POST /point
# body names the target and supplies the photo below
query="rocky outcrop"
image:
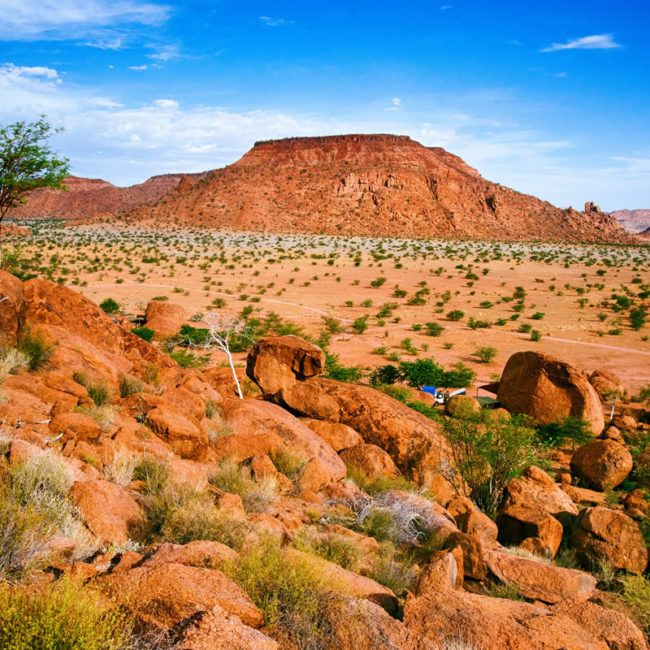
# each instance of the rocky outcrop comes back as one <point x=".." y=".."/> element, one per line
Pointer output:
<point x="604" y="464"/>
<point x="11" y="307"/>
<point x="604" y="536"/>
<point x="375" y="185"/>
<point x="606" y="383"/>
<point x="373" y="461"/>
<point x="549" y="390"/>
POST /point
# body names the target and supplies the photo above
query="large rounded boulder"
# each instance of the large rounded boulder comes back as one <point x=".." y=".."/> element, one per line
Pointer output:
<point x="549" y="390"/>
<point x="604" y="464"/>
<point x="165" y="318"/>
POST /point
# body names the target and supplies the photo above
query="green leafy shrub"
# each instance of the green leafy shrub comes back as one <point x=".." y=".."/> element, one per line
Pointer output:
<point x="636" y="596"/>
<point x="187" y="359"/>
<point x="109" y="306"/>
<point x="455" y="315"/>
<point x="490" y="452"/>
<point x="332" y="547"/>
<point x="334" y="369"/>
<point x="433" y="329"/>
<point x="145" y="333"/>
<point x="570" y="430"/>
<point x="485" y="354"/>
<point x="61" y="616"/>
<point x="360" y="324"/>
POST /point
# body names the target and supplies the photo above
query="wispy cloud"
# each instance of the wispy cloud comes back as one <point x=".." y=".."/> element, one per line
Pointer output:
<point x="395" y="104"/>
<point x="268" y="21"/>
<point x="73" y="19"/>
<point x="107" y="43"/>
<point x="593" y="42"/>
<point x="138" y="68"/>
<point x="164" y="52"/>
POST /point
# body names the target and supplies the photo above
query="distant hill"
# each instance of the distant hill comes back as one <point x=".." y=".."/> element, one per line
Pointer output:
<point x="377" y="185"/>
<point x="635" y="221"/>
<point x="92" y="198"/>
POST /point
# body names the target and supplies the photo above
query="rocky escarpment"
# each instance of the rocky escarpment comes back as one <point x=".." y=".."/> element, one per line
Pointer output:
<point x="88" y="198"/>
<point x="377" y="185"/>
<point x="634" y="221"/>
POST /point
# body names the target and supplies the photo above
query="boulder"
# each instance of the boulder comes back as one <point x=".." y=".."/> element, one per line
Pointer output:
<point x="218" y="629"/>
<point x="338" y="436"/>
<point x="604" y="464"/>
<point x="11" y="307"/>
<point x="373" y="461"/>
<point x="276" y="362"/>
<point x="164" y="595"/>
<point x="416" y="443"/>
<point x="549" y="390"/>
<point x="612" y="628"/>
<point x="76" y="425"/>
<point x="472" y="521"/>
<point x="602" y="535"/>
<point x="185" y="436"/>
<point x="110" y="512"/>
<point x="538" y="580"/>
<point x="199" y="553"/>
<point x="606" y="383"/>
<point x="443" y="572"/>
<point x="457" y="618"/>
<point x="534" y="508"/>
<point x="262" y="427"/>
<point x="363" y="625"/>
<point x="584" y="496"/>
<point x="462" y="406"/>
<point x="165" y="318"/>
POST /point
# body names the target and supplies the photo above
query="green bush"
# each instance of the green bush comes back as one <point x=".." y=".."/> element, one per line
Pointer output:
<point x="187" y="359"/>
<point x="455" y="315"/>
<point x="570" y="430"/>
<point x="289" y="462"/>
<point x="385" y="375"/>
<point x="360" y="324"/>
<point x="61" y="616"/>
<point x="490" y="452"/>
<point x="433" y="329"/>
<point x="485" y="354"/>
<point x="189" y="335"/>
<point x="335" y="370"/>
<point x="145" y="333"/>
<point x="636" y="596"/>
<point x="37" y="350"/>
<point x="109" y="306"/>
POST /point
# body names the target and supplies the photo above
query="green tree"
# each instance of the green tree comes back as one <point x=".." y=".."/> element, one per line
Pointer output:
<point x="27" y="162"/>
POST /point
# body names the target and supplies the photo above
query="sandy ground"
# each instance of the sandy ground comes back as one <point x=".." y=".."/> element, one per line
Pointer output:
<point x="305" y="279"/>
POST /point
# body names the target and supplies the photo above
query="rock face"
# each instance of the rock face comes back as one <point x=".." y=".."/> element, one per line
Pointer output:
<point x="604" y="464"/>
<point x="90" y="197"/>
<point x="603" y="535"/>
<point x="606" y="383"/>
<point x="11" y="304"/>
<point x="549" y="390"/>
<point x="377" y="185"/>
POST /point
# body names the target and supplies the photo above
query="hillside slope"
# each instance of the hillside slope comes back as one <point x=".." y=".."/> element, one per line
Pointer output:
<point x="90" y="197"/>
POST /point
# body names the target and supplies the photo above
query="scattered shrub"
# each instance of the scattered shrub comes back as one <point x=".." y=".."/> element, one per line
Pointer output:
<point x="236" y="479"/>
<point x="130" y="386"/>
<point x="332" y="547"/>
<point x="455" y="315"/>
<point x="289" y="462"/>
<point x="570" y="430"/>
<point x="11" y="361"/>
<point x="485" y="354"/>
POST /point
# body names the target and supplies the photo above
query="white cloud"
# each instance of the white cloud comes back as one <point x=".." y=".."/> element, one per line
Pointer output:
<point x="108" y="43"/>
<point x="164" y="52"/>
<point x="268" y="21"/>
<point x="594" y="42"/>
<point x="33" y="71"/>
<point x="139" y="68"/>
<point x="73" y="19"/>
<point x="166" y="103"/>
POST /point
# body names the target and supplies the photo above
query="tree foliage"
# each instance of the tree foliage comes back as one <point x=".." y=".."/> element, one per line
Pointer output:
<point x="27" y="162"/>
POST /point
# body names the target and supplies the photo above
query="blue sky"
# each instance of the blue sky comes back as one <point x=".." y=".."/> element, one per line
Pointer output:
<point x="550" y="98"/>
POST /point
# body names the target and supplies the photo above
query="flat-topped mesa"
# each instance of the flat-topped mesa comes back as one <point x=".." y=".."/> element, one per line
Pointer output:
<point x="377" y="185"/>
